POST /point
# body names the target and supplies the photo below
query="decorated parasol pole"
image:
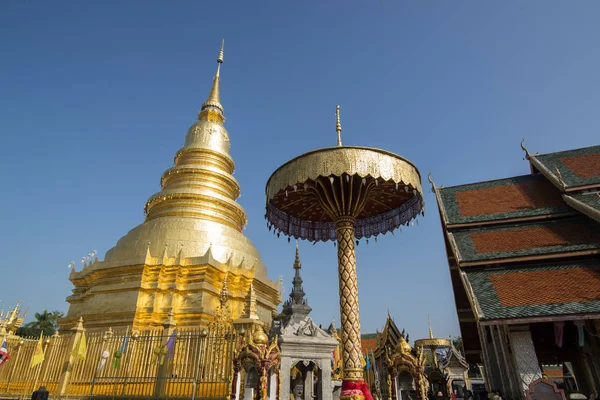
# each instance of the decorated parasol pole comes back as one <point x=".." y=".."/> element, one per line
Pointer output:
<point x="343" y="194"/>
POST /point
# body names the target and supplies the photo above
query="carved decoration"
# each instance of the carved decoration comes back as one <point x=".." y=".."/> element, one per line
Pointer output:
<point x="255" y="349"/>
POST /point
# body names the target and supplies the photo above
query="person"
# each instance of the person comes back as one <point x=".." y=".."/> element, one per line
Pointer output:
<point x="469" y="395"/>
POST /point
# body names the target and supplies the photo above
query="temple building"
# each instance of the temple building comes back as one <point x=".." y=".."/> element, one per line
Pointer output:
<point x="191" y="239"/>
<point x="524" y="258"/>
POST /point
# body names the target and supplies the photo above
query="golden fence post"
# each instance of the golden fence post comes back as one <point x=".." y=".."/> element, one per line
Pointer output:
<point x="12" y="371"/>
<point x="68" y="365"/>
<point x="161" y="375"/>
<point x="45" y="362"/>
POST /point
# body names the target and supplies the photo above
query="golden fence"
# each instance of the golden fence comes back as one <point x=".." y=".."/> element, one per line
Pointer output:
<point x="201" y="365"/>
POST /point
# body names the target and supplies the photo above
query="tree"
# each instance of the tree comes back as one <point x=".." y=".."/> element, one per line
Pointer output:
<point x="45" y="321"/>
<point x="457" y="342"/>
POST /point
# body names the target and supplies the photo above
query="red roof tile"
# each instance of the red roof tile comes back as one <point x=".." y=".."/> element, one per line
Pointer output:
<point x="584" y="166"/>
<point x="547" y="287"/>
<point x="367" y="345"/>
<point x="532" y="237"/>
<point x="508" y="198"/>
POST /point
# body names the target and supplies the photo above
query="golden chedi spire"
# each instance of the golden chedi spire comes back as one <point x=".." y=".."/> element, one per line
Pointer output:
<point x="196" y="217"/>
<point x="197" y="203"/>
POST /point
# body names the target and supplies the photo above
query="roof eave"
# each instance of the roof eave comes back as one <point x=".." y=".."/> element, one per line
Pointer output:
<point x="532" y="320"/>
<point x="581" y="206"/>
<point x="528" y="258"/>
<point x="511" y="220"/>
<point x="547" y="173"/>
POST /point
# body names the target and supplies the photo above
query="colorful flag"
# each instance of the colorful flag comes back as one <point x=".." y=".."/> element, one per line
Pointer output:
<point x="80" y="350"/>
<point x="119" y="353"/>
<point x="38" y="353"/>
<point x="3" y="352"/>
<point x="171" y="346"/>
<point x="366" y="363"/>
<point x="125" y="343"/>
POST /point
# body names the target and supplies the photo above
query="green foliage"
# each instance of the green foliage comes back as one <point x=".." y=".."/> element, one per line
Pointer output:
<point x="458" y="344"/>
<point x="45" y="321"/>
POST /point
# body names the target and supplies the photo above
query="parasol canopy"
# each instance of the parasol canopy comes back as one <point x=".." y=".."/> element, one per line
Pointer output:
<point x="380" y="189"/>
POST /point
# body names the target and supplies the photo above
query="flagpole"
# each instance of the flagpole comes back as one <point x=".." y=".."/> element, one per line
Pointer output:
<point x="128" y="359"/>
<point x="120" y="350"/>
<point x="12" y="371"/>
<point x="37" y="375"/>
<point x="104" y="338"/>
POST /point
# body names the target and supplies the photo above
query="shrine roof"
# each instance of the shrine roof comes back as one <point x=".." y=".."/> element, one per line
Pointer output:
<point x="517" y="197"/>
<point x="368" y="342"/>
<point x="566" y="235"/>
<point x="587" y="203"/>
<point x="576" y="168"/>
<point x="544" y="290"/>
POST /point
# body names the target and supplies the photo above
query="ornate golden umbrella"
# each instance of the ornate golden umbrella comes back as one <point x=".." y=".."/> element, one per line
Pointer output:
<point x="343" y="194"/>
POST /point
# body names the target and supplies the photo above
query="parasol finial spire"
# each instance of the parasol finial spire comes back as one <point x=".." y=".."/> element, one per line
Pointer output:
<point x="338" y="125"/>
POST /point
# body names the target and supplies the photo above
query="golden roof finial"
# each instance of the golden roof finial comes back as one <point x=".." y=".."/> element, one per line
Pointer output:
<point x="430" y="331"/>
<point x="338" y="125"/>
<point x="214" y="99"/>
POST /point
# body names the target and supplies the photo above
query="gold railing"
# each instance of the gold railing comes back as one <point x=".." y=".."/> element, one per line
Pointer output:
<point x="201" y="365"/>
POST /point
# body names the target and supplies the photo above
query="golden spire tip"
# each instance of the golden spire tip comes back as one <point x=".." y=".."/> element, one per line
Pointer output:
<point x="220" y="57"/>
<point x="214" y="99"/>
<point x="430" y="331"/>
<point x="338" y="125"/>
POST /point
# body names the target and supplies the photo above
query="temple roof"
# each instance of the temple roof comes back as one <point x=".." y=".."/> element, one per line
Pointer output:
<point x="566" y="235"/>
<point x="543" y="290"/>
<point x="517" y="197"/>
<point x="570" y="169"/>
<point x="532" y="225"/>
<point x="368" y="342"/>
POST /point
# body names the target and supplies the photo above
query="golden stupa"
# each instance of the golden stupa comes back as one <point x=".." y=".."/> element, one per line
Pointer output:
<point x="177" y="259"/>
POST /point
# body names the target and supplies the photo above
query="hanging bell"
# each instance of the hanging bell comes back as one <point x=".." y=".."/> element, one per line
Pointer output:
<point x="286" y="193"/>
<point x="376" y="182"/>
<point x="406" y="189"/>
<point x="334" y="244"/>
<point x="357" y="242"/>
<point x="375" y="239"/>
<point x="295" y="187"/>
<point x="289" y="239"/>
<point x="331" y="179"/>
<point x="277" y="234"/>
<point x="347" y="178"/>
<point x="367" y="241"/>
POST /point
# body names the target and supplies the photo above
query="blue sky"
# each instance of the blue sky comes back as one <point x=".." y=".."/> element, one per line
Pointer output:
<point x="96" y="98"/>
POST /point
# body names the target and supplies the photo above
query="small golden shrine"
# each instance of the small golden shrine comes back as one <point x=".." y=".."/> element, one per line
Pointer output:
<point x="191" y="238"/>
<point x="12" y="320"/>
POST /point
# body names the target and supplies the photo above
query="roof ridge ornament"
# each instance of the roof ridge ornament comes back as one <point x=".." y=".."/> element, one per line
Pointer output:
<point x="560" y="178"/>
<point x="432" y="182"/>
<point x="527" y="154"/>
<point x="338" y="125"/>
